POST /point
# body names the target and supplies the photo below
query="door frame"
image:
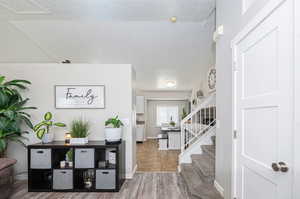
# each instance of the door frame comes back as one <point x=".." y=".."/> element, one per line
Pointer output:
<point x="256" y="20"/>
<point x="296" y="182"/>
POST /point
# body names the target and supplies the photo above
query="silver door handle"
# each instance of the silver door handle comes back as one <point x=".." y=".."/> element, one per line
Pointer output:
<point x="281" y="166"/>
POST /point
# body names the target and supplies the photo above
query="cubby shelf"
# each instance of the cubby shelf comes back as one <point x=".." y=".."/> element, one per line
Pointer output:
<point x="45" y="173"/>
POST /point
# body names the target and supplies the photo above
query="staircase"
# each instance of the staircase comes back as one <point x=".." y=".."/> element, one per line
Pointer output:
<point x="197" y="158"/>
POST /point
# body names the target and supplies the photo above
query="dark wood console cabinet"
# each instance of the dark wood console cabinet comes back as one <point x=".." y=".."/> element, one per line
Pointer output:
<point x="45" y="173"/>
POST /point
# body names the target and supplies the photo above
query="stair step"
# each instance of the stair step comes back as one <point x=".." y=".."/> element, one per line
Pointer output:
<point x="196" y="187"/>
<point x="205" y="167"/>
<point x="213" y="139"/>
<point x="210" y="150"/>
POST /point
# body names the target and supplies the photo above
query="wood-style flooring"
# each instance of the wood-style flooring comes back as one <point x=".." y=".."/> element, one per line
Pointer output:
<point x="149" y="158"/>
<point x="143" y="186"/>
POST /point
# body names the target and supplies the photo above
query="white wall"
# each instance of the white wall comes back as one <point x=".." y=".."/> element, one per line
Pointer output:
<point x="230" y="15"/>
<point x="119" y="84"/>
<point x="297" y="102"/>
<point x="211" y="48"/>
<point x="152" y="130"/>
<point x="180" y="95"/>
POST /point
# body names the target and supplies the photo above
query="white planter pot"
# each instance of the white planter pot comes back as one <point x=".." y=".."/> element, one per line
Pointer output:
<point x="113" y="134"/>
<point x="79" y="140"/>
<point x="47" y="138"/>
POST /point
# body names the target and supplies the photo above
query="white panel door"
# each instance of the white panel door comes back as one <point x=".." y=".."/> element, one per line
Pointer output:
<point x="264" y="107"/>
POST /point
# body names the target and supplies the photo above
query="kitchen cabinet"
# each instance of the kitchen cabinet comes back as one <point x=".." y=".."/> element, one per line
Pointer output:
<point x="140" y="104"/>
<point x="174" y="140"/>
<point x="140" y="133"/>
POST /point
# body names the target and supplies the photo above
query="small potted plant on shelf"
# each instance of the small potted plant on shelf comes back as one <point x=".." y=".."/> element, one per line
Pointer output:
<point x="69" y="158"/>
<point x="113" y="129"/>
<point x="42" y="129"/>
<point x="79" y="132"/>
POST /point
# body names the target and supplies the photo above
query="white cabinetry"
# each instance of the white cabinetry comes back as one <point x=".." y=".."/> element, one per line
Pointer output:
<point x="140" y="104"/>
<point x="174" y="140"/>
<point x="140" y="133"/>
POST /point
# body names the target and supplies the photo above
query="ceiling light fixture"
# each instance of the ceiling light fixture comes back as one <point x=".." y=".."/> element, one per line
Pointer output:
<point x="173" y="19"/>
<point x="67" y="61"/>
<point x="170" y="84"/>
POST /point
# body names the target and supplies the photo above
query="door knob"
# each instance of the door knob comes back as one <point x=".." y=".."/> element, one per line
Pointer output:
<point x="275" y="167"/>
<point x="281" y="166"/>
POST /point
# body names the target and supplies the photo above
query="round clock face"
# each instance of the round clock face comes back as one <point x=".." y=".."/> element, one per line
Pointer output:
<point x="212" y="78"/>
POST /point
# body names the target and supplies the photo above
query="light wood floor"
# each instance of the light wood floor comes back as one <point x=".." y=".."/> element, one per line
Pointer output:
<point x="143" y="186"/>
<point x="149" y="158"/>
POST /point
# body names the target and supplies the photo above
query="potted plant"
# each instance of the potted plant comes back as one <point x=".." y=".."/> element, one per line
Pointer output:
<point x="184" y="114"/>
<point x="113" y="129"/>
<point x="79" y="132"/>
<point x="172" y="123"/>
<point x="12" y="115"/>
<point x="42" y="129"/>
<point x="69" y="158"/>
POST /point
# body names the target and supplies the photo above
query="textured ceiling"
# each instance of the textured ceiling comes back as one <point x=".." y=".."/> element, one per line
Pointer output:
<point x="123" y="10"/>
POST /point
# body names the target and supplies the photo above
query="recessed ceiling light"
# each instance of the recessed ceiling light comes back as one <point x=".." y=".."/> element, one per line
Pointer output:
<point x="170" y="84"/>
<point x="173" y="19"/>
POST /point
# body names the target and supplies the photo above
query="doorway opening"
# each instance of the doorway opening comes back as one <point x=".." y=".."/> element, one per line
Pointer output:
<point x="159" y="149"/>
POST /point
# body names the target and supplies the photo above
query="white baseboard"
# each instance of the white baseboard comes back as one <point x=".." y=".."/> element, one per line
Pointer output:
<point x="21" y="176"/>
<point x="130" y="175"/>
<point x="219" y="188"/>
<point x="152" y="138"/>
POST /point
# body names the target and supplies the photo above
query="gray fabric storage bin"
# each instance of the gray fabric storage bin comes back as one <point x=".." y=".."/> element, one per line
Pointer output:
<point x="84" y="158"/>
<point x="62" y="179"/>
<point x="40" y="158"/>
<point x="105" y="179"/>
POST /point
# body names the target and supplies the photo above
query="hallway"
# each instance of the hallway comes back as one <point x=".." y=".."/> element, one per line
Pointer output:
<point x="150" y="159"/>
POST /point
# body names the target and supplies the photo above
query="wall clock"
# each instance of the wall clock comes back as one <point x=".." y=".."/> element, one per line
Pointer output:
<point x="212" y="79"/>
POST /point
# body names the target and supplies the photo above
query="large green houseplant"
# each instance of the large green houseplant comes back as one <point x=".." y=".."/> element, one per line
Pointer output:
<point x="12" y="112"/>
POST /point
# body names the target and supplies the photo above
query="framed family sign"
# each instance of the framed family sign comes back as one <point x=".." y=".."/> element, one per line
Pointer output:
<point x="79" y="96"/>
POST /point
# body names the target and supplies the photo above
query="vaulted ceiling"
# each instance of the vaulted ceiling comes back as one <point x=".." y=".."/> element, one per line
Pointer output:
<point x="137" y="32"/>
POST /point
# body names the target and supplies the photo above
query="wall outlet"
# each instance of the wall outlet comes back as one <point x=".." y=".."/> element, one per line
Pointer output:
<point x="125" y="121"/>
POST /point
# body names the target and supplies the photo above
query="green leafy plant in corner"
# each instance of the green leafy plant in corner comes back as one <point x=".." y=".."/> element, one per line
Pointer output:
<point x="184" y="113"/>
<point x="114" y="122"/>
<point x="45" y="125"/>
<point x="12" y="112"/>
<point x="80" y="128"/>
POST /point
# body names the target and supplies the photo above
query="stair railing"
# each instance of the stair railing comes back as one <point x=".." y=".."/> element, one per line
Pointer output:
<point x="198" y="122"/>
